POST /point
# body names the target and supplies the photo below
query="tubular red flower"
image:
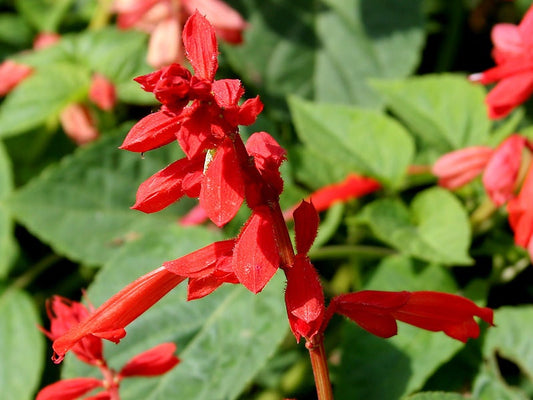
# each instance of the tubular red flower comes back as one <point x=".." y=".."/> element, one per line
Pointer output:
<point x="521" y="213"/>
<point x="377" y="312"/>
<point x="78" y="124"/>
<point x="110" y="319"/>
<point x="153" y="131"/>
<point x="459" y="167"/>
<point x="68" y="389"/>
<point x="153" y="362"/>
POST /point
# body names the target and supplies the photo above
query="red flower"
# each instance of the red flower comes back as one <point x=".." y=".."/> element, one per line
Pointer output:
<point x="501" y="172"/>
<point x="110" y="319"/>
<point x="521" y="214"/>
<point x="78" y="124"/>
<point x="64" y="314"/>
<point x="377" y="312"/>
<point x="163" y="20"/>
<point x="459" y="167"/>
<point x="513" y="53"/>
<point x="304" y="297"/>
<point x="11" y="74"/>
<point x="102" y="92"/>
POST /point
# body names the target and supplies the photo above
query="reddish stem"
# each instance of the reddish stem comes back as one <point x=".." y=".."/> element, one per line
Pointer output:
<point x="319" y="363"/>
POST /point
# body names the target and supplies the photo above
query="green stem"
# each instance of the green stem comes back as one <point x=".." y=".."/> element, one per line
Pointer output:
<point x="452" y="37"/>
<point x="341" y="251"/>
<point x="29" y="276"/>
<point x="101" y="14"/>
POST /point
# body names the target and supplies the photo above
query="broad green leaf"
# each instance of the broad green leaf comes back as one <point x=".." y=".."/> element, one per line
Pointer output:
<point x="362" y="40"/>
<point x="81" y="206"/>
<point x="445" y="112"/>
<point x="408" y="359"/>
<point x="42" y="96"/>
<point x="360" y="140"/>
<point x="488" y="385"/>
<point x="14" y="31"/>
<point x="435" y="396"/>
<point x="223" y="339"/>
<point x="8" y="246"/>
<point x="434" y="228"/>
<point x="509" y="340"/>
<point x="328" y="50"/>
<point x="44" y="15"/>
<point x="21" y="346"/>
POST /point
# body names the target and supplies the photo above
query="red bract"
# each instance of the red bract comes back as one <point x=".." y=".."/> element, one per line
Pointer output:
<point x="377" y="312"/>
<point x="11" y="74"/>
<point x="110" y="319"/>
<point x="102" y="92"/>
<point x="459" y="167"/>
<point x="502" y="170"/>
<point x="78" y="124"/>
<point x="513" y="53"/>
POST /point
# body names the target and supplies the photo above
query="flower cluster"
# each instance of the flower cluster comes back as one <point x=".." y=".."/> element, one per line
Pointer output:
<point x="64" y="314"/>
<point x="506" y="178"/>
<point x="203" y="115"/>
<point x="513" y="53"/>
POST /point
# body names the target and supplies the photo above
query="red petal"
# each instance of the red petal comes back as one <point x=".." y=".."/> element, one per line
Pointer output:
<point x="227" y="92"/>
<point x="306" y="226"/>
<point x="445" y="312"/>
<point x="120" y="310"/>
<point x="509" y="93"/>
<point x="156" y="361"/>
<point x="201" y="287"/>
<point x="249" y="110"/>
<point x="68" y="389"/>
<point x="153" y="131"/>
<point x="256" y="256"/>
<point x="164" y="187"/>
<point x="304" y="299"/>
<point x="501" y="171"/>
<point x="201" y="262"/>
<point x="222" y="190"/>
<point x="195" y="132"/>
<point x="11" y="74"/>
<point x="201" y="46"/>
<point x="102" y="92"/>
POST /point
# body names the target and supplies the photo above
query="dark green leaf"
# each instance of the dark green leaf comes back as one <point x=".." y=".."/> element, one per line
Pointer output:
<point x="44" y="15"/>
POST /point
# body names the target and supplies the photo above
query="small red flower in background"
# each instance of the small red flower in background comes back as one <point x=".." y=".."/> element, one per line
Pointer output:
<point x="163" y="19"/>
<point x="521" y="214"/>
<point x="500" y="167"/>
<point x="78" y="124"/>
<point x="11" y="74"/>
<point x="513" y="53"/>
<point x="377" y="312"/>
<point x="65" y="314"/>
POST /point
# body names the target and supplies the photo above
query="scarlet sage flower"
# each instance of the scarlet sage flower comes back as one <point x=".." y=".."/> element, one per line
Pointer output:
<point x="354" y="186"/>
<point x="202" y="114"/>
<point x="163" y="19"/>
<point x="377" y="312"/>
<point x="459" y="167"/>
<point x="78" y="124"/>
<point x="69" y="389"/>
<point x="102" y="92"/>
<point x="513" y="53"/>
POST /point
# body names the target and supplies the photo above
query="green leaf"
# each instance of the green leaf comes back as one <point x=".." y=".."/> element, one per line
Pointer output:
<point x="362" y="40"/>
<point x="328" y="51"/>
<point x="445" y="112"/>
<point x="489" y="386"/>
<point x="14" y="31"/>
<point x="8" y="244"/>
<point x="436" y="396"/>
<point x="21" y="346"/>
<point x="434" y="228"/>
<point x="360" y="140"/>
<point x="509" y="340"/>
<point x="408" y="359"/>
<point x="81" y="206"/>
<point x="44" y="15"/>
<point x="42" y="97"/>
<point x="223" y="339"/>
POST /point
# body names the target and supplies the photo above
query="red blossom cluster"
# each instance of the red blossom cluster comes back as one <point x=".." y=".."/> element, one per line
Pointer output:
<point x="64" y="314"/>
<point x="513" y="53"/>
<point x="203" y="115"/>
<point x="506" y="175"/>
